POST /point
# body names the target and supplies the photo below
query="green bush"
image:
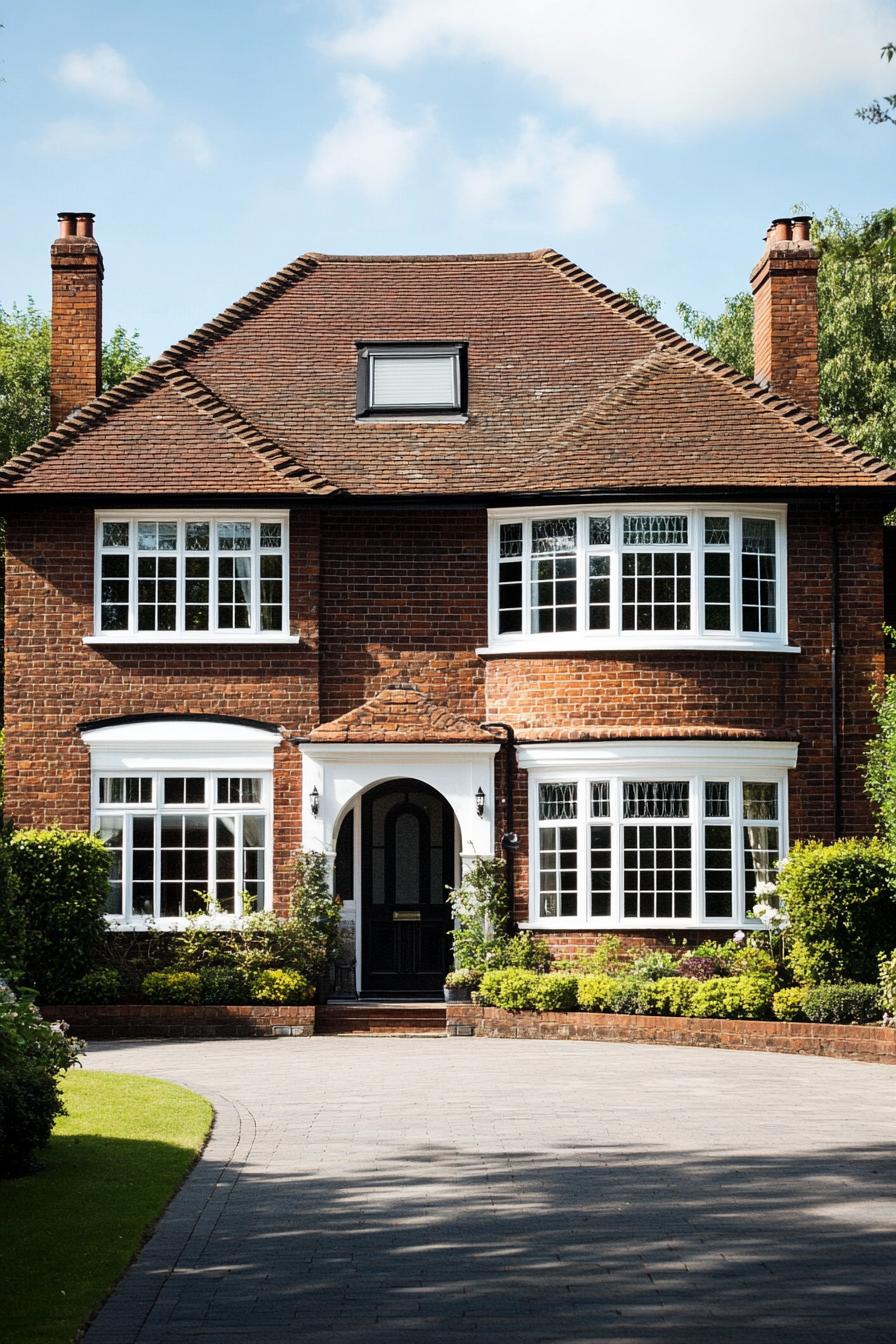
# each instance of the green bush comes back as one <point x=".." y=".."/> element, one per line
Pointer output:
<point x="749" y="959"/>
<point x="844" y="1003"/>
<point x="223" y="984"/>
<point x="281" y="986"/>
<point x="593" y="992"/>
<point x="605" y="958"/>
<point x="555" y="993"/>
<point x="468" y="978"/>
<point x="669" y="997"/>
<point x="481" y="909"/>
<point x="13" y="932"/>
<point x="740" y="996"/>
<point x="63" y="881"/>
<point x="32" y="1055"/>
<point x="512" y="989"/>
<point x="625" y="994"/>
<point x="787" y="1005"/>
<point x="841" y="899"/>
<point x="887" y="965"/>
<point x="654" y="966"/>
<point x="524" y="951"/>
<point x="171" y="987"/>
<point x="101" y="986"/>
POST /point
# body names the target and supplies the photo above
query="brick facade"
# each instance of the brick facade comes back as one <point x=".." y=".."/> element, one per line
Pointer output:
<point x="76" y="265"/>
<point x="785" y="296"/>
<point x="405" y="598"/>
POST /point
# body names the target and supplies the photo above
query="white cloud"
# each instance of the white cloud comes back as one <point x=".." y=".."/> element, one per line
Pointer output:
<point x="367" y="148"/>
<point x="78" y="137"/>
<point x="103" y="73"/>
<point x="549" y="177"/>
<point x="191" y="141"/>
<point x="654" y="65"/>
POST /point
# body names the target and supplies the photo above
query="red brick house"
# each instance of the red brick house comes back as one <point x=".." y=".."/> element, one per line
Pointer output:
<point x="409" y="558"/>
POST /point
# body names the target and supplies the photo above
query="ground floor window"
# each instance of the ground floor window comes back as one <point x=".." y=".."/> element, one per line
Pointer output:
<point x="651" y="843"/>
<point x="183" y="843"/>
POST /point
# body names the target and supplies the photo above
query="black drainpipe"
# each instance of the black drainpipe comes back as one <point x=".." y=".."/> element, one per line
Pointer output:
<point x="509" y="840"/>
<point x="835" y="666"/>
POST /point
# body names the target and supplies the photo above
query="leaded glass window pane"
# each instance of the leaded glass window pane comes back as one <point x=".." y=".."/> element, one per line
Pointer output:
<point x="760" y="801"/>
<point x="270" y="536"/>
<point x="599" y="531"/>
<point x="655" y="529"/>
<point x="116" y="534"/>
<point x="600" y="798"/>
<point x="717" y="800"/>
<point x="557" y="802"/>
<point x="716" y="531"/>
<point x="553" y="534"/>
<point x="660" y="798"/>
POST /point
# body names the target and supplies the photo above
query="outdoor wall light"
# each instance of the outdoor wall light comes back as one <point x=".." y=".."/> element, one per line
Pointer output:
<point x="315" y="801"/>
<point x="480" y="802"/>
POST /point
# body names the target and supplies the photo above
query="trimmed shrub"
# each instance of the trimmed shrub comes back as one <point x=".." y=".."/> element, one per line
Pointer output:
<point x="593" y="992"/>
<point x="841" y="899"/>
<point x="888" y="983"/>
<point x="63" y="888"/>
<point x="739" y="996"/>
<point x="605" y="958"/>
<point x="13" y="933"/>
<point x="281" y="986"/>
<point x="102" y="986"/>
<point x="32" y="1055"/>
<point x="703" y="967"/>
<point x="523" y="951"/>
<point x="669" y="997"/>
<point x="654" y="966"/>
<point x="787" y="1005"/>
<point x="625" y="994"/>
<point x="512" y="989"/>
<point x="555" y="993"/>
<point x="223" y="984"/>
<point x="752" y="960"/>
<point x="171" y="987"/>
<point x="846" y="1003"/>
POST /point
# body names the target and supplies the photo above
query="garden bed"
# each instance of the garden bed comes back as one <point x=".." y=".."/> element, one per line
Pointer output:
<point x="872" y="1044"/>
<point x="108" y="1021"/>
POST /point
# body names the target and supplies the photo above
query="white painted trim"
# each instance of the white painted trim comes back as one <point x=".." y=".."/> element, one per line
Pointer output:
<point x="697" y="761"/>
<point x="180" y="744"/>
<point x="616" y="638"/>
<point x="167" y="637"/>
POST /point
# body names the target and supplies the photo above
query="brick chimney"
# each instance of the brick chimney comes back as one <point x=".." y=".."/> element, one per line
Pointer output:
<point x="785" y="312"/>
<point x="76" y="264"/>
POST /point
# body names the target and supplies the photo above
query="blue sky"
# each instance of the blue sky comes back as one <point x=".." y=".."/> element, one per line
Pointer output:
<point x="215" y="140"/>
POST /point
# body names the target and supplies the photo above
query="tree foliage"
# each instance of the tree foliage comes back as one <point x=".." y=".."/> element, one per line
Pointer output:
<point x="856" y="322"/>
<point x="879" y="113"/>
<point x="25" y="373"/>
<point x="649" y="302"/>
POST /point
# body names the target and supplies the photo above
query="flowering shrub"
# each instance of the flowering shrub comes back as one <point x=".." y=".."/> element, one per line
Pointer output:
<point x="703" y="967"/>
<point x="654" y="965"/>
<point x="468" y="978"/>
<point x="281" y="986"/>
<point x="32" y="1055"/>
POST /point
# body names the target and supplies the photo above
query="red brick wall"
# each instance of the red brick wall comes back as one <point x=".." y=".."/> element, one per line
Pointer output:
<point x="785" y="332"/>
<point x="381" y="594"/>
<point x="77" y="272"/>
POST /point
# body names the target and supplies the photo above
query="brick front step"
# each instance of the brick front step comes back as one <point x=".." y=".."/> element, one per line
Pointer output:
<point x="380" y="1019"/>
<point x="872" y="1044"/>
<point x="134" y="1020"/>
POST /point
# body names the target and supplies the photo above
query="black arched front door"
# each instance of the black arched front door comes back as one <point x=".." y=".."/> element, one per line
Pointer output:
<point x="407" y="865"/>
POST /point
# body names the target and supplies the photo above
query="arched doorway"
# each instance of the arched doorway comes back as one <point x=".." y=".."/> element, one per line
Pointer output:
<point x="408" y="862"/>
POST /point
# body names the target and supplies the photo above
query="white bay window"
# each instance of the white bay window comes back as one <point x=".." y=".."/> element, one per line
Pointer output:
<point x="653" y="834"/>
<point x="185" y="806"/>
<point x="197" y="577"/>
<point x="636" y="577"/>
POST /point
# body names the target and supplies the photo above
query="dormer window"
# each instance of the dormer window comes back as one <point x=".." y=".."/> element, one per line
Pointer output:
<point x="412" y="379"/>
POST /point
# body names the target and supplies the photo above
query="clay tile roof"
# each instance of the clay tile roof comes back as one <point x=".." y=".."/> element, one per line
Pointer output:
<point x="572" y="388"/>
<point x="400" y="713"/>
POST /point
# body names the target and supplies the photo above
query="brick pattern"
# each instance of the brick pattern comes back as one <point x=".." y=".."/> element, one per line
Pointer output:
<point x="875" y="1045"/>
<point x="785" y="333"/>
<point x="400" y="713"/>
<point x="77" y="302"/>
<point x="131" y="1021"/>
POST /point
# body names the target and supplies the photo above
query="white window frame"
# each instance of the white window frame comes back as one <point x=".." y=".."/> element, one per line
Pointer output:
<point x="181" y="747"/>
<point x="697" y="637"/>
<point x="370" y="352"/>
<point x="696" y="762"/>
<point x="253" y="635"/>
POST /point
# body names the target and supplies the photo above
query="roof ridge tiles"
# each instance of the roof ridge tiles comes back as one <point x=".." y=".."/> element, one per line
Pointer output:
<point x="669" y="338"/>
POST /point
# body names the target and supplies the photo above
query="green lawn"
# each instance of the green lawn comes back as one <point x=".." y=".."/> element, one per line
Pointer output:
<point x="71" y="1229"/>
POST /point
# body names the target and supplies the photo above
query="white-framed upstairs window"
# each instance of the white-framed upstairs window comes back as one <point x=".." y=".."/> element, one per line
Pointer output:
<point x="164" y="576"/>
<point x="637" y="576"/>
<point x="653" y="835"/>
<point x="186" y="809"/>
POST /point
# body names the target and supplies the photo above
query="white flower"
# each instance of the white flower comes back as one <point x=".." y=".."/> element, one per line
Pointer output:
<point x="738" y="937"/>
<point x="765" y="889"/>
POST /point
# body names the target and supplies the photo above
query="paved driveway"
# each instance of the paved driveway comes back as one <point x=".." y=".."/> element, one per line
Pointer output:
<point x="411" y="1189"/>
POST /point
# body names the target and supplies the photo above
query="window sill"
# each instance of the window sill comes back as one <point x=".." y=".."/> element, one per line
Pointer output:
<point x="174" y="923"/>
<point x="411" y="418"/>
<point x="628" y="645"/>
<point x="572" y="924"/>
<point x="163" y="637"/>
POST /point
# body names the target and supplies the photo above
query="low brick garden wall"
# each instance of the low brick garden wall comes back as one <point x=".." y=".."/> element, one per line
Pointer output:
<point x="133" y="1020"/>
<point x="873" y="1044"/>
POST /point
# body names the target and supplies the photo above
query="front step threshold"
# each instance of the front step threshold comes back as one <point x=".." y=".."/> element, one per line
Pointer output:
<point x="377" y="1018"/>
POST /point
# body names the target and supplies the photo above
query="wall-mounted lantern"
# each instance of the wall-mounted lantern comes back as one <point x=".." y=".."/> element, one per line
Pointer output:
<point x="480" y="802"/>
<point x="315" y="801"/>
